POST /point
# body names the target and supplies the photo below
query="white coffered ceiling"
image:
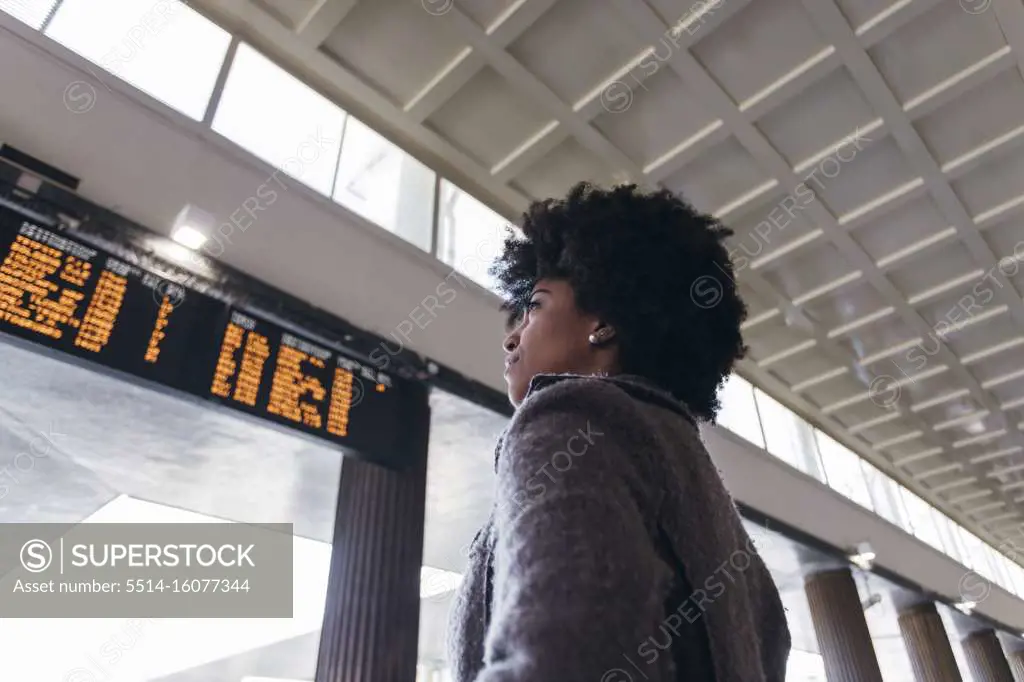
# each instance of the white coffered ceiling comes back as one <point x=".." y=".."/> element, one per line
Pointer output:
<point x="866" y="152"/>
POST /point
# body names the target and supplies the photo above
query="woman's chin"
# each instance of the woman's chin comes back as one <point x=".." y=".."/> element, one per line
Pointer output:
<point x="516" y="389"/>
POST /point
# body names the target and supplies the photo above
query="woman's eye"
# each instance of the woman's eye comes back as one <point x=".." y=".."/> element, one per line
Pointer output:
<point x="533" y="305"/>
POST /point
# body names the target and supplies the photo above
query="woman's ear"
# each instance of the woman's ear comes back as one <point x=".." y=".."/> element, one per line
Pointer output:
<point x="602" y="335"/>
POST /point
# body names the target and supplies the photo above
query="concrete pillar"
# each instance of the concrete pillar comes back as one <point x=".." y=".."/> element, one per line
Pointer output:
<point x="841" y="628"/>
<point x="931" y="654"/>
<point x="1014" y="648"/>
<point x="371" y="621"/>
<point x="985" y="657"/>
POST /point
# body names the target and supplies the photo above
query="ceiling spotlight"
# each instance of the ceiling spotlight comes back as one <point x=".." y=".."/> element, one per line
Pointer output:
<point x="966" y="607"/>
<point x="862" y="556"/>
<point x="192" y="227"/>
<point x="190" y="237"/>
<point x="974" y="428"/>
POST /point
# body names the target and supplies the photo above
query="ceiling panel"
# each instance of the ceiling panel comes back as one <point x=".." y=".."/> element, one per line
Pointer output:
<point x="938" y="45"/>
<point x="365" y="42"/>
<point x="663" y="115"/>
<point x="801" y="274"/>
<point x="750" y="56"/>
<point x="818" y="118"/>
<point x="989" y="112"/>
<point x="718" y="177"/>
<point x="913" y="231"/>
<point x="569" y="163"/>
<point x="467" y="118"/>
<point x="992" y="184"/>
<point x="561" y="50"/>
<point x="874" y="169"/>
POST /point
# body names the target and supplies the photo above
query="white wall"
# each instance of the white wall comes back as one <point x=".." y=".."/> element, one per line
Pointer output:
<point x="146" y="162"/>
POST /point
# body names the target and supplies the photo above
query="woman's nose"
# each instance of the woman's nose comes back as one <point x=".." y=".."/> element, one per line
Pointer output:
<point x="511" y="343"/>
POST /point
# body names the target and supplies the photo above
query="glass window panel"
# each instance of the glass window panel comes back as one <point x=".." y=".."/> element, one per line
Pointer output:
<point x="884" y="495"/>
<point x="937" y="522"/>
<point x="302" y="139"/>
<point x="739" y="410"/>
<point x="1011" y="578"/>
<point x="991" y="562"/>
<point x="382" y="183"/>
<point x="960" y="538"/>
<point x="843" y="470"/>
<point x="1017" y="574"/>
<point x="460" y="494"/>
<point x="922" y="520"/>
<point x="902" y="505"/>
<point x="471" y="235"/>
<point x="31" y="12"/>
<point x="985" y="560"/>
<point x="1013" y="550"/>
<point x="162" y="47"/>
<point x="945" y="528"/>
<point x="787" y="436"/>
<point x="976" y="554"/>
<point x="1002" y="566"/>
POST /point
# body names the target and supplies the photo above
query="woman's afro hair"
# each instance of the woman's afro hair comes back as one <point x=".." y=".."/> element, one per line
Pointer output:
<point x="648" y="264"/>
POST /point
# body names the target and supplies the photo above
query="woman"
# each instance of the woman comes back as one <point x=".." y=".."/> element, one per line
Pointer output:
<point x="613" y="552"/>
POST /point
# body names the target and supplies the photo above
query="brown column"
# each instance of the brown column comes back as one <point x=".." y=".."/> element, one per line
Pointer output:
<point x="985" y="657"/>
<point x="371" y="623"/>
<point x="841" y="629"/>
<point x="928" y="647"/>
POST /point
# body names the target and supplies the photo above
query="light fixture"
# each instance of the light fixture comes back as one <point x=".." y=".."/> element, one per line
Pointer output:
<point x="190" y="237"/>
<point x="975" y="428"/>
<point x="862" y="556"/>
<point x="965" y="607"/>
<point x="192" y="227"/>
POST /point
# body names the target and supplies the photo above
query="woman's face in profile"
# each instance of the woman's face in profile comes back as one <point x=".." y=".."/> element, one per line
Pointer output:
<point x="551" y="337"/>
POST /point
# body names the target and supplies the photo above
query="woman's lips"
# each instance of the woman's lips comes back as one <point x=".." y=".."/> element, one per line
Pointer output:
<point x="509" y="361"/>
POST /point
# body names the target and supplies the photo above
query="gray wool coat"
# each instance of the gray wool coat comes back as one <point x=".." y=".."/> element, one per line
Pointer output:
<point x="614" y="552"/>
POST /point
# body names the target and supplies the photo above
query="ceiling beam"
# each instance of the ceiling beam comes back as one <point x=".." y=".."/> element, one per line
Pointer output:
<point x="1010" y="15"/>
<point x="322" y="20"/>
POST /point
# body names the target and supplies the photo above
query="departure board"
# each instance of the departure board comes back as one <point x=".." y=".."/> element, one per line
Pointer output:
<point x="268" y="371"/>
<point x="79" y="300"/>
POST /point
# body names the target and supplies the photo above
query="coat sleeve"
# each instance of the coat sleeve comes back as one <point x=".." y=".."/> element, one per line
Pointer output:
<point x="578" y="583"/>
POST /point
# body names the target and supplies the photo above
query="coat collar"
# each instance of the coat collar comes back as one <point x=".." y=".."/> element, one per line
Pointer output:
<point x="636" y="386"/>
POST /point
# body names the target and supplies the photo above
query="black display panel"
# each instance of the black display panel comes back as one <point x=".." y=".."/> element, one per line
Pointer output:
<point x="82" y="301"/>
<point x="265" y="370"/>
